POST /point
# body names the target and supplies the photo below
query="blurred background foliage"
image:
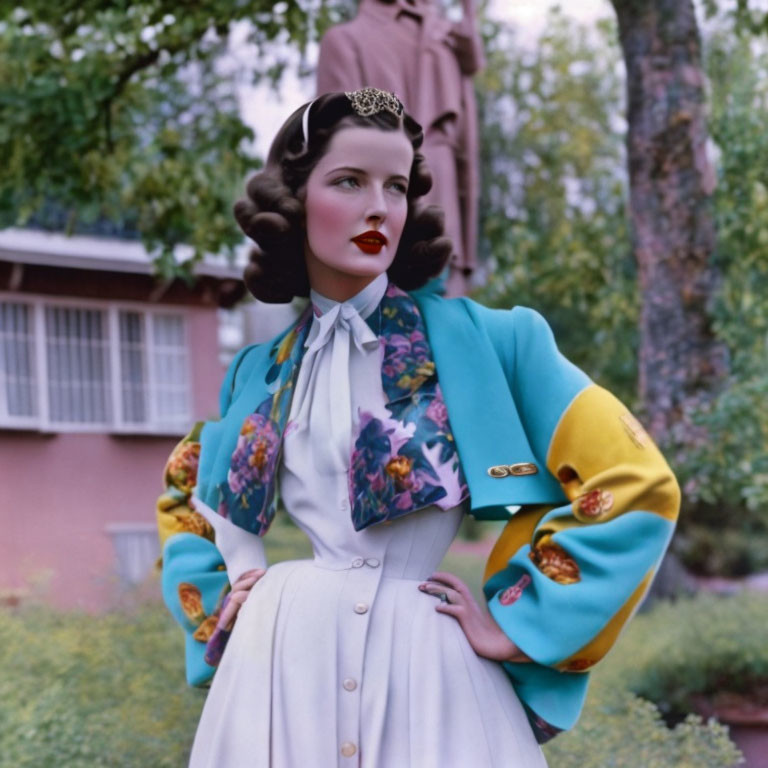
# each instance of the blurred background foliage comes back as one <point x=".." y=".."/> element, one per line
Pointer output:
<point x="555" y="233"/>
<point x="123" y="117"/>
<point x="553" y="216"/>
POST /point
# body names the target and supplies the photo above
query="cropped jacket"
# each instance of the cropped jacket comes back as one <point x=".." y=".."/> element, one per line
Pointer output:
<point x="589" y="502"/>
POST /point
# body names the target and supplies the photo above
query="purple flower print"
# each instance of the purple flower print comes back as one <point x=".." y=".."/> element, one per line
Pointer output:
<point x="255" y="454"/>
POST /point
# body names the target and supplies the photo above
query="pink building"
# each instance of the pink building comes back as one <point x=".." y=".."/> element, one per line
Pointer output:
<point x="102" y="370"/>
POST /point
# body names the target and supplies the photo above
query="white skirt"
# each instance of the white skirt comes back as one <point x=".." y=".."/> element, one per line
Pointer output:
<point x="350" y="667"/>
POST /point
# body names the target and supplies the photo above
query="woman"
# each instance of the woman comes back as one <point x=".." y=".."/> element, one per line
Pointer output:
<point x="383" y="417"/>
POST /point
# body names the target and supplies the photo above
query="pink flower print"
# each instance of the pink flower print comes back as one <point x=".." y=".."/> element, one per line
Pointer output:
<point x="437" y="411"/>
<point x="448" y="476"/>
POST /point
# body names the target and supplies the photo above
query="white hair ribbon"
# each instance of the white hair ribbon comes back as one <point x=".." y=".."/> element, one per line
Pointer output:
<point x="305" y="123"/>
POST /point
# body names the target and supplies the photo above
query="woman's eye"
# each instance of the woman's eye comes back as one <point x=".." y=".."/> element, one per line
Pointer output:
<point x="399" y="187"/>
<point x="347" y="182"/>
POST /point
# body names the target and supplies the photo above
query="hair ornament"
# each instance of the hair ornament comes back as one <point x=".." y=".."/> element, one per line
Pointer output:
<point x="370" y="101"/>
<point x="305" y="122"/>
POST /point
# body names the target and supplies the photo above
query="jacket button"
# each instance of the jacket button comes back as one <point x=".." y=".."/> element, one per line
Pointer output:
<point x="500" y="470"/>
<point x="348" y="749"/>
<point x="361" y="608"/>
<point x="349" y="684"/>
<point x="373" y="562"/>
<point x="358" y="562"/>
<point x="523" y="468"/>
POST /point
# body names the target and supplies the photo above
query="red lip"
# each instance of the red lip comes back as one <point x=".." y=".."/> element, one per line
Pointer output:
<point x="370" y="242"/>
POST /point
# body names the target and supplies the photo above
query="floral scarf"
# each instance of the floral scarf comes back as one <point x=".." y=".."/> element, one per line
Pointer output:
<point x="401" y="461"/>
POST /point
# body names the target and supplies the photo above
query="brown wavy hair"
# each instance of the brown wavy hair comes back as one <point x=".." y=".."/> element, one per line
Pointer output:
<point x="273" y="215"/>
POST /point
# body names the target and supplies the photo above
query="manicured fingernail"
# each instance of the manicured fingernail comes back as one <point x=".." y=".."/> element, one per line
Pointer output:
<point x="423" y="587"/>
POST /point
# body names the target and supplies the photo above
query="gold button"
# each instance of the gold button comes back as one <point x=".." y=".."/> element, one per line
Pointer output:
<point x="348" y="749"/>
<point x="349" y="684"/>
<point x="500" y="470"/>
<point x="523" y="468"/>
<point x="361" y="607"/>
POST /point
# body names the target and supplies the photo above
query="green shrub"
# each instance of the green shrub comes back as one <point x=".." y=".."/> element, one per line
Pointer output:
<point x="704" y="645"/>
<point x="86" y="691"/>
<point x="619" y="730"/>
<point x="666" y="656"/>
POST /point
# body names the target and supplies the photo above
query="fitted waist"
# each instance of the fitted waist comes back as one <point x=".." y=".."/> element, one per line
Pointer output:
<point x="368" y="567"/>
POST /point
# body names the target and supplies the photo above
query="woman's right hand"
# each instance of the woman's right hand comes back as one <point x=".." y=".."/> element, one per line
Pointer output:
<point x="239" y="594"/>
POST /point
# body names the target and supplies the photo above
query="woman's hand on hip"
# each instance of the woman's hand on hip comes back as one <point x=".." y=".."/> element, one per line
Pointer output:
<point x="485" y="636"/>
<point x="239" y="594"/>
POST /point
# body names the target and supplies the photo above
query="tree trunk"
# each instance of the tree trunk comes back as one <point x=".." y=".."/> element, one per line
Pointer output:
<point x="671" y="184"/>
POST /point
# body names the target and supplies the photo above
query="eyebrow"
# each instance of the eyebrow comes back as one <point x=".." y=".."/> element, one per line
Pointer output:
<point x="350" y="169"/>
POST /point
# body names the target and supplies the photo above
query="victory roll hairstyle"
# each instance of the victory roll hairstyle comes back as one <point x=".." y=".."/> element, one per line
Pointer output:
<point x="273" y="214"/>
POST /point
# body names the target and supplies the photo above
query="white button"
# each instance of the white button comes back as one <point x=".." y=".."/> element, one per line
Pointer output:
<point x="373" y="562"/>
<point x="358" y="562"/>
<point x="349" y="684"/>
<point x="361" y="607"/>
<point x="348" y="749"/>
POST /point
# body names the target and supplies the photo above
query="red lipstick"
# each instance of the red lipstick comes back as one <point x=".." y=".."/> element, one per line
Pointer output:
<point x="370" y="242"/>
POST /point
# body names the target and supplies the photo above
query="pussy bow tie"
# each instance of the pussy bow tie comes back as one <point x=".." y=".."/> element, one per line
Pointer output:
<point x="328" y="384"/>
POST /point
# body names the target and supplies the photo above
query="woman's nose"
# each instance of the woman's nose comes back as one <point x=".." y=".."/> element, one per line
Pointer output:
<point x="377" y="206"/>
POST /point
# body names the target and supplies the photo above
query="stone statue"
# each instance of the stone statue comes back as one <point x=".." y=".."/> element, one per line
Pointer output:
<point x="409" y="47"/>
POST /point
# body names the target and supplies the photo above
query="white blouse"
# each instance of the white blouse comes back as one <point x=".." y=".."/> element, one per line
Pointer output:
<point x="340" y="376"/>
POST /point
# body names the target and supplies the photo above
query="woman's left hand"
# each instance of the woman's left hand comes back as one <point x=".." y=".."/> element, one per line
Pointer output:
<point x="485" y="636"/>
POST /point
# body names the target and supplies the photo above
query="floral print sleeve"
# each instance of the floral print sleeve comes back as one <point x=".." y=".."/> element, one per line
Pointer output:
<point x="174" y="513"/>
<point x="194" y="579"/>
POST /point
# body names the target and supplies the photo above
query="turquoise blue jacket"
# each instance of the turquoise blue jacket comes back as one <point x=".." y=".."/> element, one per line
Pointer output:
<point x="589" y="500"/>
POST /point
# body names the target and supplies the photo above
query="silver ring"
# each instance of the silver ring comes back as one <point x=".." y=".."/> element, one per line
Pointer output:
<point x="443" y="597"/>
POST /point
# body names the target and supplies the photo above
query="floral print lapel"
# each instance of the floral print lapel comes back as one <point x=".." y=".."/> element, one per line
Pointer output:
<point x="247" y="497"/>
<point x="402" y="460"/>
<point x="407" y="361"/>
<point x="406" y="459"/>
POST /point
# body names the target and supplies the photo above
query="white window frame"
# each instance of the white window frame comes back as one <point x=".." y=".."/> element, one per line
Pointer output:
<point x="116" y="424"/>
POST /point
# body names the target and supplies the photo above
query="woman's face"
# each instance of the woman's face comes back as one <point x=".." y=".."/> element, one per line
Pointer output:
<point x="356" y="206"/>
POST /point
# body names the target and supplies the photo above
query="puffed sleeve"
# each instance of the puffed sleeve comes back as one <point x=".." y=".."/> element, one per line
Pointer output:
<point x="195" y="578"/>
<point x="563" y="581"/>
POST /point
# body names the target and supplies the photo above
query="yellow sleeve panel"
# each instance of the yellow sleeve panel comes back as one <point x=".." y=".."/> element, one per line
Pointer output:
<point x="174" y="514"/>
<point x="607" y="463"/>
<point x="516" y="533"/>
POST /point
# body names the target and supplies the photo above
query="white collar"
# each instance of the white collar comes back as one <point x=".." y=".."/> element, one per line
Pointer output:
<point x="364" y="302"/>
